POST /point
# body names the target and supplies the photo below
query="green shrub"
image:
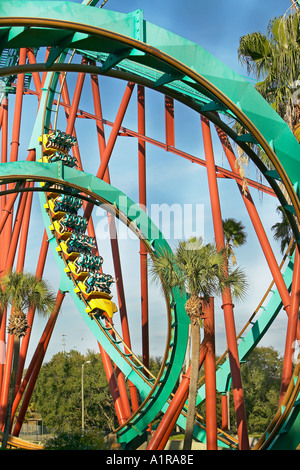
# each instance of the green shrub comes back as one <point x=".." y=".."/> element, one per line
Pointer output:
<point x="77" y="440"/>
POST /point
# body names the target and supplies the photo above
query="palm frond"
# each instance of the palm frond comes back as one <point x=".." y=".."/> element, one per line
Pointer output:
<point x="274" y="60"/>
<point x="198" y="268"/>
<point x="22" y="290"/>
<point x="238" y="283"/>
<point x="282" y="231"/>
<point x="164" y="272"/>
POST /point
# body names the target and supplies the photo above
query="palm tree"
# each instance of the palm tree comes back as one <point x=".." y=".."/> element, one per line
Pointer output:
<point x="21" y="290"/>
<point x="283" y="231"/>
<point x="235" y="235"/>
<point x="274" y="59"/>
<point x="200" y="270"/>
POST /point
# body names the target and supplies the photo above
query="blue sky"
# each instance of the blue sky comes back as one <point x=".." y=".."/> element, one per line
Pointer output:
<point x="216" y="26"/>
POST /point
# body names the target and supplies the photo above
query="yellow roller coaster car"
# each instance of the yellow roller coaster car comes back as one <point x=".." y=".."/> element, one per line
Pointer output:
<point x="79" y="276"/>
<point x="102" y="305"/>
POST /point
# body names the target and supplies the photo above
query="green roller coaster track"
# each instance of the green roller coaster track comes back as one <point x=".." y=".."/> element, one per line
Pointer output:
<point x="128" y="47"/>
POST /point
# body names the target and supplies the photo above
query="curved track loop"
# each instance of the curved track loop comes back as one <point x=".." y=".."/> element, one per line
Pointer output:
<point x="217" y="87"/>
<point x="181" y="70"/>
<point x="153" y="395"/>
<point x="154" y="391"/>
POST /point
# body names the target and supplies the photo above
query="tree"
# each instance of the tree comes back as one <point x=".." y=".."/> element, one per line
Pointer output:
<point x="235" y="235"/>
<point x="274" y="59"/>
<point x="21" y="290"/>
<point x="261" y="374"/>
<point x="282" y="231"/>
<point x="200" y="270"/>
<point x="57" y="395"/>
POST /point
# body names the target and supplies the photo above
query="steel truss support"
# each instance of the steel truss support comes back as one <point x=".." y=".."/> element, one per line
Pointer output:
<point x="210" y="376"/>
<point x="169" y="122"/>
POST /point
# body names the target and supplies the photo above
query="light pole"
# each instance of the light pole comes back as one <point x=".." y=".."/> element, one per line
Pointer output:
<point x="82" y="395"/>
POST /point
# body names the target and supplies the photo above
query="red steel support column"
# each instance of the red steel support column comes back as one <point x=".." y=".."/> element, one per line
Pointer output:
<point x="143" y="204"/>
<point x="166" y="436"/>
<point x="16" y="231"/>
<point x="10" y="339"/>
<point x="18" y="110"/>
<point x="11" y="198"/>
<point x="35" y="75"/>
<point x="1" y="113"/>
<point x="71" y="126"/>
<point x="291" y="328"/>
<point x="24" y="230"/>
<point x="224" y="411"/>
<point x="169" y="122"/>
<point x="20" y="266"/>
<point x="227" y="306"/>
<point x="112" y="139"/>
<point x="2" y="347"/>
<point x="75" y="101"/>
<point x="44" y="75"/>
<point x="5" y="234"/>
<point x="115" y="130"/>
<point x="210" y="376"/>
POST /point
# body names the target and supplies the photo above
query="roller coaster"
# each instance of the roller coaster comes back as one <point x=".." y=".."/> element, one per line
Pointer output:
<point x="43" y="44"/>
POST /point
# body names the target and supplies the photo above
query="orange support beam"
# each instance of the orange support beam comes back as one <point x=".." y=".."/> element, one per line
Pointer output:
<point x="169" y="122"/>
<point x="291" y="328"/>
<point x="143" y="204"/>
<point x="210" y="376"/>
<point x="238" y="395"/>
